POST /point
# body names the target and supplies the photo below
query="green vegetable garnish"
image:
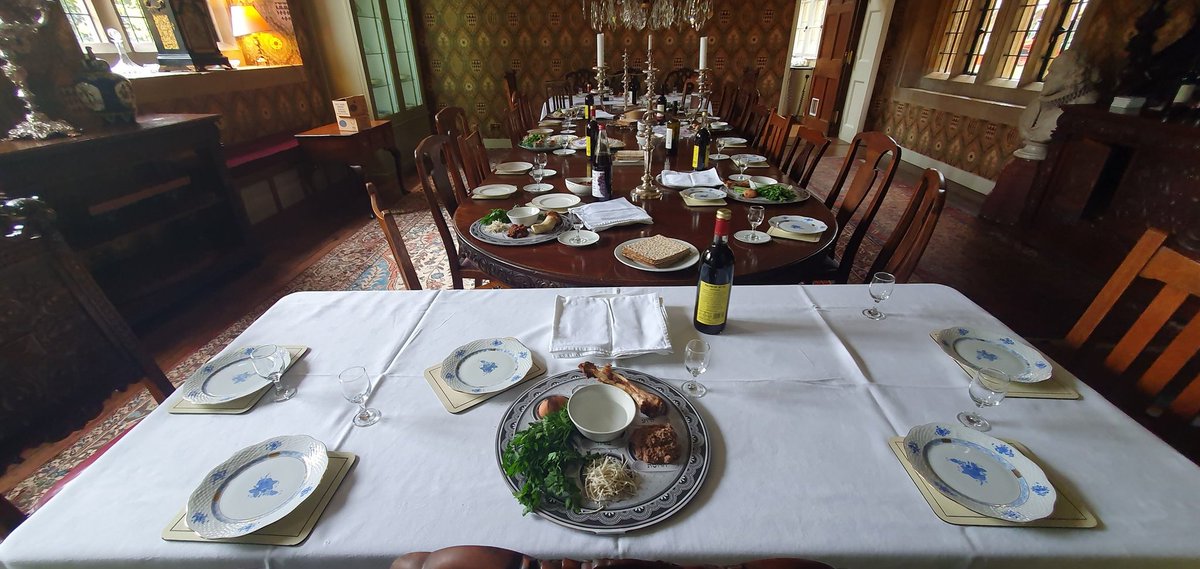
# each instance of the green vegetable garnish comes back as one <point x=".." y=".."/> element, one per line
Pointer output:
<point x="540" y="454"/>
<point x="533" y="139"/>
<point x="495" y="215"/>
<point x="776" y="192"/>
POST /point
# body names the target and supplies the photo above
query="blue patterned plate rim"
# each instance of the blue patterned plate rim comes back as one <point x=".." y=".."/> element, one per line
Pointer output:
<point x="1035" y="494"/>
<point x="204" y="515"/>
<point x="193" y="389"/>
<point x="518" y="355"/>
<point x="1035" y="366"/>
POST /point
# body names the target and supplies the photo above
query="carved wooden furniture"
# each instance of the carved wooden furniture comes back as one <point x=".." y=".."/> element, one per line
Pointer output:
<point x="553" y="264"/>
<point x="483" y="557"/>
<point x="452" y="122"/>
<point x="63" y="348"/>
<point x="903" y="249"/>
<point x="558" y="95"/>
<point x="774" y="136"/>
<point x="1106" y="179"/>
<point x="474" y="158"/>
<point x="147" y="207"/>
<point x="1161" y="381"/>
<point x="802" y="159"/>
<point x="578" y="80"/>
<point x="328" y="144"/>
<point x="673" y="81"/>
<point x="395" y="240"/>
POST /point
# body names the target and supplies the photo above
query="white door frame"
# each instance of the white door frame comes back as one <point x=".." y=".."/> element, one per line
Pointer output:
<point x="865" y="67"/>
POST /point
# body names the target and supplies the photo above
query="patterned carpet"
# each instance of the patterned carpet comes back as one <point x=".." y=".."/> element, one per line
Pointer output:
<point x="961" y="254"/>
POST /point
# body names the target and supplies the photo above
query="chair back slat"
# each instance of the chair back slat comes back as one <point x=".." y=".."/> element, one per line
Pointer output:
<point x="805" y="154"/>
<point x="872" y="179"/>
<point x="1168" y="300"/>
<point x="725" y="104"/>
<point x="1187" y="403"/>
<point x="904" y="248"/>
<point x="1171" y="361"/>
<point x="436" y="166"/>
<point x="475" y="158"/>
<point x="558" y="95"/>
<point x="452" y="122"/>
<point x="775" y="136"/>
<point x="395" y="240"/>
<point x="1120" y="280"/>
<point x="1168" y="265"/>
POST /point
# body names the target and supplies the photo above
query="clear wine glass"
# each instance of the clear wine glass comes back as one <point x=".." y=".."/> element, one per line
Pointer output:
<point x="268" y="362"/>
<point x="755" y="216"/>
<point x="539" y="167"/>
<point x="720" y="155"/>
<point x="881" y="289"/>
<point x="739" y="160"/>
<point x="493" y="163"/>
<point x="988" y="388"/>
<point x="695" y="359"/>
<point x="356" y="387"/>
<point x="577" y="224"/>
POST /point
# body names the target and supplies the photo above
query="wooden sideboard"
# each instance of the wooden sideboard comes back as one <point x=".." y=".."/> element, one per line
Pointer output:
<point x="1108" y="177"/>
<point x="148" y="207"/>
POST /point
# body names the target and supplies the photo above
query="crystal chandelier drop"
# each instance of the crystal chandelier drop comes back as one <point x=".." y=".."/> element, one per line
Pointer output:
<point x="646" y="14"/>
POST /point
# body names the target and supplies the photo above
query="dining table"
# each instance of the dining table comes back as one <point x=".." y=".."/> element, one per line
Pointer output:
<point x="554" y="264"/>
<point x="804" y="393"/>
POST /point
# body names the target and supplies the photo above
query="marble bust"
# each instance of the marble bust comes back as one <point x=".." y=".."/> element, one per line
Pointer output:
<point x="1068" y="81"/>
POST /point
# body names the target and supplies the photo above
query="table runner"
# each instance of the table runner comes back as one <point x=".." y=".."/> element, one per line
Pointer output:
<point x="803" y="393"/>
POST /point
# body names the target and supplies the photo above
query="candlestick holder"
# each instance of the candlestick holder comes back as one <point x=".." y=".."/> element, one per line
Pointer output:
<point x="702" y="90"/>
<point x="647" y="190"/>
<point x="16" y="41"/>
<point x="601" y="83"/>
<point x="625" y="78"/>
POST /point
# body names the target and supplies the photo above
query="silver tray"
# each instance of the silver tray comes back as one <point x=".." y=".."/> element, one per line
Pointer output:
<point x="478" y="232"/>
<point x="664" y="489"/>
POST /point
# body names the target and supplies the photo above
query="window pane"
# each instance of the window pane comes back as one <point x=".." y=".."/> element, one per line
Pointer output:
<point x="133" y="20"/>
<point x="952" y="37"/>
<point x="1020" y="40"/>
<point x="80" y="16"/>
<point x="809" y="20"/>
<point x="1063" y="34"/>
<point x="982" y="34"/>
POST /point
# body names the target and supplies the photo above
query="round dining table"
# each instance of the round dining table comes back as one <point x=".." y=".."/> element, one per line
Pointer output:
<point x="554" y="264"/>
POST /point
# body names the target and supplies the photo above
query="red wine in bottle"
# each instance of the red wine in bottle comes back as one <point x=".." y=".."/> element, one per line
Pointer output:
<point x="700" y="148"/>
<point x="592" y="130"/>
<point x="716" y="279"/>
<point x="589" y="102"/>
<point x="672" y="136"/>
<point x="602" y="172"/>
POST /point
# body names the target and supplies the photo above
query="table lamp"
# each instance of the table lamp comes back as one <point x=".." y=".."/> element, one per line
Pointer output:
<point x="246" y="21"/>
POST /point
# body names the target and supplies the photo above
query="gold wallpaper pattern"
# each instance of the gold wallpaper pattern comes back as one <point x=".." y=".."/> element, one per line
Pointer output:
<point x="469" y="44"/>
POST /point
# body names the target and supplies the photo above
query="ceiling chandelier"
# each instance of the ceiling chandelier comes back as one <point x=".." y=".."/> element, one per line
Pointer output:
<point x="646" y="14"/>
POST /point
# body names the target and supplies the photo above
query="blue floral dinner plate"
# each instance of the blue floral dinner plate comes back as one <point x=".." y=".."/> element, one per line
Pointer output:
<point x="981" y="472"/>
<point x="256" y="486"/>
<point x="487" y="366"/>
<point x="226" y="378"/>
<point x="977" y="348"/>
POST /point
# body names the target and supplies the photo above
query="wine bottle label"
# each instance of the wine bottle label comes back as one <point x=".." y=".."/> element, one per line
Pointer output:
<point x="660" y="108"/>
<point x="696" y="157"/>
<point x="670" y="140"/>
<point x="598" y="184"/>
<point x="589" y="146"/>
<point x="712" y="303"/>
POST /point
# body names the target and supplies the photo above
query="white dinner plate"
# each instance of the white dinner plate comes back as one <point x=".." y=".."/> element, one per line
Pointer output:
<point x="555" y="201"/>
<point x="509" y="168"/>
<point x="688" y="260"/>
<point x="495" y="190"/>
<point x="256" y="486"/>
<point x="226" y="378"/>
<point x="977" y="348"/>
<point x="538" y="188"/>
<point x="564" y="151"/>
<point x="705" y="194"/>
<point x="981" y="472"/>
<point x="581" y="143"/>
<point x="749" y="158"/>
<point x="486" y="366"/>
<point x="585" y="238"/>
<point x="732" y="141"/>
<point x="718" y="125"/>
<point x="798" y="224"/>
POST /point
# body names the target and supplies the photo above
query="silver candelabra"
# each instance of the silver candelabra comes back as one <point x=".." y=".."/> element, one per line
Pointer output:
<point x="647" y="190"/>
<point x="16" y="42"/>
<point x="601" y="83"/>
<point x="625" y="77"/>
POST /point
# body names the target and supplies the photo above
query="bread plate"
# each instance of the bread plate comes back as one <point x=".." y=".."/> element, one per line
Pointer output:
<point x="688" y="260"/>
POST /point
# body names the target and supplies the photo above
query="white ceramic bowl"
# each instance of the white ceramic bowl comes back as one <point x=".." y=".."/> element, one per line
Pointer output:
<point x="601" y="412"/>
<point x="756" y="181"/>
<point x="580" y="186"/>
<point x="524" y="215"/>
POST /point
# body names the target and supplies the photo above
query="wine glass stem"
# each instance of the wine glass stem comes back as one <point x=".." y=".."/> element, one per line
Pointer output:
<point x="277" y="380"/>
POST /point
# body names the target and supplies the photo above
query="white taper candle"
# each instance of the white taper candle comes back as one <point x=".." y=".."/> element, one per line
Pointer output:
<point x="600" y="49"/>
<point x="704" y="52"/>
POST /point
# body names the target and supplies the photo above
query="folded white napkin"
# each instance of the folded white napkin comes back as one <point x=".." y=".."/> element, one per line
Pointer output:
<point x="599" y="216"/>
<point x="707" y="177"/>
<point x="609" y="326"/>
<point x="604" y="114"/>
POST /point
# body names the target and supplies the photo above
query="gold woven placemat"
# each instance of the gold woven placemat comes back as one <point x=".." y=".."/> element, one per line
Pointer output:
<point x="1061" y="384"/>
<point x="1069" y="511"/>
<point x="293" y="528"/>
<point x="237" y="406"/>
<point x="456" y="401"/>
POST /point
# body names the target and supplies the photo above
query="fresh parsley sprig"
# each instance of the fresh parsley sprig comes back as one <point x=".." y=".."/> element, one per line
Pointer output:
<point x="539" y="457"/>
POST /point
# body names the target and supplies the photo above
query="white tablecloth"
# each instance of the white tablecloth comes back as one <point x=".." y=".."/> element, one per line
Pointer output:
<point x="800" y="406"/>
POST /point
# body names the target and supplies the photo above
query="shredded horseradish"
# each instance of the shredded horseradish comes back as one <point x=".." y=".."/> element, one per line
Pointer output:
<point x="606" y="479"/>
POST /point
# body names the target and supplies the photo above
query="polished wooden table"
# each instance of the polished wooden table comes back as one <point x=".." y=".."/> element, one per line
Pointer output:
<point x="327" y="143"/>
<point x="553" y="264"/>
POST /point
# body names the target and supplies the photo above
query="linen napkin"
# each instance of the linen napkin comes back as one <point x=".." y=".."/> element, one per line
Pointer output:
<point x="785" y="234"/>
<point x="703" y="178"/>
<point x="609" y="326"/>
<point x="599" y="216"/>
<point x="603" y="114"/>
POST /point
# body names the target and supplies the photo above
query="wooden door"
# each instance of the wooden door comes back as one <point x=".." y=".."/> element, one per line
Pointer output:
<point x="838" y="36"/>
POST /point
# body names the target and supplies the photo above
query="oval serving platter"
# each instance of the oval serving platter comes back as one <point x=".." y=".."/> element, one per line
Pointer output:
<point x="664" y="489"/>
<point x="477" y="231"/>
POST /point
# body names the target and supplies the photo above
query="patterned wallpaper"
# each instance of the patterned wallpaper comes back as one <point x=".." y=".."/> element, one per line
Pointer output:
<point x="469" y="44"/>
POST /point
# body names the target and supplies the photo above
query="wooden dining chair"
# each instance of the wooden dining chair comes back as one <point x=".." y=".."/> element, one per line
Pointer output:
<point x="724" y="108"/>
<point x="872" y="177"/>
<point x="775" y="136"/>
<point x="514" y="125"/>
<point x="64" y="348"/>
<point x="755" y="126"/>
<point x="744" y="108"/>
<point x="905" y="246"/>
<point x="578" y="80"/>
<point x="558" y="95"/>
<point x="474" y="155"/>
<point x="1173" y="397"/>
<point x="484" y="557"/>
<point x="452" y="122"/>
<point x="673" y="81"/>
<point x="437" y="167"/>
<point x="395" y="239"/>
<point x="802" y="158"/>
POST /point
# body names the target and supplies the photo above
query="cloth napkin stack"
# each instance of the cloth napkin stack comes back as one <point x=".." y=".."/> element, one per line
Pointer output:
<point x="609" y="326"/>
<point x="599" y="216"/>
<point x="708" y="178"/>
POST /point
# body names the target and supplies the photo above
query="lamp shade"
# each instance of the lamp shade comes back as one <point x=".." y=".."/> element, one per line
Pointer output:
<point x="246" y="20"/>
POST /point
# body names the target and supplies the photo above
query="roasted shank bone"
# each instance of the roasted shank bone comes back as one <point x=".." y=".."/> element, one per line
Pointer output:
<point x="649" y="404"/>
